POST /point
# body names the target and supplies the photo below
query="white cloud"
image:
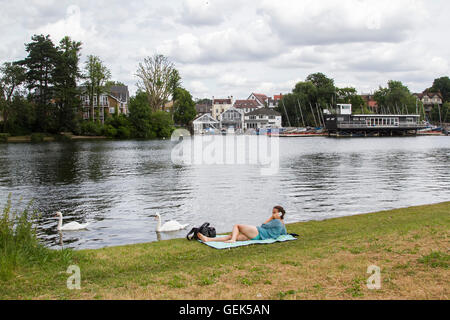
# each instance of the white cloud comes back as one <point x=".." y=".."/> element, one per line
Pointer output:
<point x="235" y="47"/>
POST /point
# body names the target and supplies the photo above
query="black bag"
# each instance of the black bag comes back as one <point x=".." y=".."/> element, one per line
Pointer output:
<point x="205" y="230"/>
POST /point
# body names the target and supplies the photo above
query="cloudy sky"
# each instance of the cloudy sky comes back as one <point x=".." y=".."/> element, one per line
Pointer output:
<point x="230" y="47"/>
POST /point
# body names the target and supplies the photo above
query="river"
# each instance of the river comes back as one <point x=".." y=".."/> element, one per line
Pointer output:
<point x="117" y="186"/>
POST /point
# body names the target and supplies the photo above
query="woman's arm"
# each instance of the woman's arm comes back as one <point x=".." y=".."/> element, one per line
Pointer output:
<point x="271" y="218"/>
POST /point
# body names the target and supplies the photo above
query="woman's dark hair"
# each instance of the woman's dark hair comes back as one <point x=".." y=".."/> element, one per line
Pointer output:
<point x="280" y="209"/>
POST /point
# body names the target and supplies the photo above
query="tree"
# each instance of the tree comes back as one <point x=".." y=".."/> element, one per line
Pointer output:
<point x="184" y="107"/>
<point x="443" y="85"/>
<point x="158" y="77"/>
<point x="11" y="78"/>
<point x="326" y="91"/>
<point x="396" y="98"/>
<point x="140" y="115"/>
<point x="162" y="124"/>
<point x="350" y="95"/>
<point x="65" y="76"/>
<point x="174" y="83"/>
<point x="40" y="65"/>
<point x="96" y="75"/>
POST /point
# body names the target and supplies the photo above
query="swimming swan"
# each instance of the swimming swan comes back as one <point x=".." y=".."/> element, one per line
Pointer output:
<point x="72" y="226"/>
<point x="168" y="226"/>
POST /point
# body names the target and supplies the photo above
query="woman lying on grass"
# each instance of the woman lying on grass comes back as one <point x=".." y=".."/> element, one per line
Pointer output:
<point x="271" y="229"/>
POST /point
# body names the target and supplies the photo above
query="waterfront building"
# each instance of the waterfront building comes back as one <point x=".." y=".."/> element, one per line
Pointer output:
<point x="273" y="102"/>
<point x="219" y="106"/>
<point x="343" y="122"/>
<point x="204" y="123"/>
<point x="430" y="99"/>
<point x="203" y="108"/>
<point x="116" y="100"/>
<point x="232" y="118"/>
<point x="370" y="101"/>
<point x="261" y="99"/>
<point x="263" y="118"/>
<point x="246" y="105"/>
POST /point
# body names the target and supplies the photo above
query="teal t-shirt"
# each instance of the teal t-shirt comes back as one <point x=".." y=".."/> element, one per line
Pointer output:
<point x="271" y="230"/>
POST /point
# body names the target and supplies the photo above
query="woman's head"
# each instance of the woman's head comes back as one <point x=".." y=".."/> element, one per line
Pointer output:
<point x="278" y="212"/>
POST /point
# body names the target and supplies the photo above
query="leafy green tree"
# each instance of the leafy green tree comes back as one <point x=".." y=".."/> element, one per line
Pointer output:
<point x="96" y="75"/>
<point x="175" y="83"/>
<point x="396" y="98"/>
<point x="443" y="85"/>
<point x="440" y="113"/>
<point x="162" y="124"/>
<point x="65" y="77"/>
<point x="326" y="91"/>
<point x="184" y="107"/>
<point x="40" y="65"/>
<point x="140" y="114"/>
<point x="350" y="95"/>
<point x="11" y="78"/>
<point x="22" y="119"/>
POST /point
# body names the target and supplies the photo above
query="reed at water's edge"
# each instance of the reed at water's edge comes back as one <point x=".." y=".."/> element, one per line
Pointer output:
<point x="19" y="244"/>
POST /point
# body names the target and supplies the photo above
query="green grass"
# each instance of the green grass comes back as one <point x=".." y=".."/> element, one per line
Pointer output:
<point x="328" y="261"/>
<point x="436" y="260"/>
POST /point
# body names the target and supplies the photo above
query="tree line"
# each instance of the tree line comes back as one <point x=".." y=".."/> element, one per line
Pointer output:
<point x="306" y="104"/>
<point x="41" y="93"/>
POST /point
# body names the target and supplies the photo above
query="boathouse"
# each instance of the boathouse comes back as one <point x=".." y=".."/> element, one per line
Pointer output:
<point x="343" y="123"/>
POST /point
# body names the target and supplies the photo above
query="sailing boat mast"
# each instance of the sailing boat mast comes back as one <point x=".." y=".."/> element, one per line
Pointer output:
<point x="301" y="113"/>
<point x="312" y="111"/>
<point x="285" y="111"/>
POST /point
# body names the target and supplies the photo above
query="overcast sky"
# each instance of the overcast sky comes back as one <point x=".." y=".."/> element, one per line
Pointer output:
<point x="231" y="47"/>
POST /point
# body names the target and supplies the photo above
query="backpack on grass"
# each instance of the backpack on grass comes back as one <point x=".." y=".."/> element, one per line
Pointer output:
<point x="205" y="230"/>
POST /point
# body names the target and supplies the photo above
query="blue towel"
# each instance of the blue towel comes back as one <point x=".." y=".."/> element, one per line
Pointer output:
<point x="223" y="245"/>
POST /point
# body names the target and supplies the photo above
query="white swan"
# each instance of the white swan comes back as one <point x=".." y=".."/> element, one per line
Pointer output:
<point x="169" y="226"/>
<point x="72" y="226"/>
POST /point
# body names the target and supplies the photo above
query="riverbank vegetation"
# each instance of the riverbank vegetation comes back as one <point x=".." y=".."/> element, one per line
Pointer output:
<point x="40" y="94"/>
<point x="329" y="261"/>
<point x="20" y="248"/>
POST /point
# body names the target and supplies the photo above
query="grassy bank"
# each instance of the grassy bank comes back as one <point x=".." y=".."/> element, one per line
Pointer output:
<point x="329" y="261"/>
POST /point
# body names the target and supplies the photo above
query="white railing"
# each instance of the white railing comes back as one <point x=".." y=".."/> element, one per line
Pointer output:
<point x="365" y="126"/>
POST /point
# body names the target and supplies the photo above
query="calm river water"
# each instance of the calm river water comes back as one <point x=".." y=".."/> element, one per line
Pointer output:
<point x="118" y="185"/>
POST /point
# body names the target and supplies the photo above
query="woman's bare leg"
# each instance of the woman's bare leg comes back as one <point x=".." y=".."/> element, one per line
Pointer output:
<point x="240" y="233"/>
<point x="206" y="239"/>
<point x="243" y="233"/>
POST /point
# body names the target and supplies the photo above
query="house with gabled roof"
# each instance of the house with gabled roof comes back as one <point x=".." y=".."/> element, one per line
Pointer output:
<point x="430" y="99"/>
<point x="263" y="118"/>
<point x="260" y="98"/>
<point x="204" y="123"/>
<point x="232" y="118"/>
<point x="247" y="105"/>
<point x="115" y="100"/>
